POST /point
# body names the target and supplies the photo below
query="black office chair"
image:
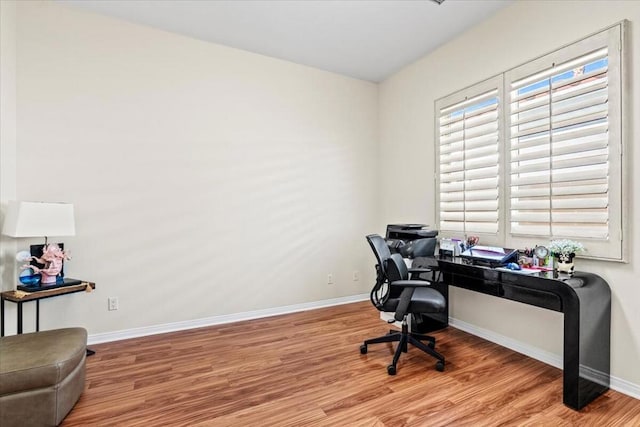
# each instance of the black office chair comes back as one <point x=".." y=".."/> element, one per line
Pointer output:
<point x="393" y="292"/>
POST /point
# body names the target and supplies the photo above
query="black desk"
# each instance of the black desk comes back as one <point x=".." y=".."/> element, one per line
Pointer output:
<point x="585" y="300"/>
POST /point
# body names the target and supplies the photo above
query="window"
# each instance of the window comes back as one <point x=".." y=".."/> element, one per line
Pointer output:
<point x="469" y="153"/>
<point x="560" y="155"/>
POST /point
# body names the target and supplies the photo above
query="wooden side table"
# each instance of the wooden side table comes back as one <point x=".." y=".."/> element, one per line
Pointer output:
<point x="20" y="297"/>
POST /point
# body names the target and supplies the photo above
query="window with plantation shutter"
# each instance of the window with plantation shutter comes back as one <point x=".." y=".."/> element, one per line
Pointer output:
<point x="563" y="146"/>
<point x="536" y="153"/>
<point x="469" y="160"/>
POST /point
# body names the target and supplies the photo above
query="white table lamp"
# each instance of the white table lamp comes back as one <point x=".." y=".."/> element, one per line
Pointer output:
<point x="39" y="219"/>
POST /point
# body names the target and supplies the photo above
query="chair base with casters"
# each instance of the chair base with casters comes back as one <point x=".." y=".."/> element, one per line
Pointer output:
<point x="403" y="338"/>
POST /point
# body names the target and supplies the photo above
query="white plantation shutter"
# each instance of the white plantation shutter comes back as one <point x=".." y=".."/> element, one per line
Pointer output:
<point x="559" y="151"/>
<point x="535" y="154"/>
<point x="563" y="146"/>
<point x="469" y="160"/>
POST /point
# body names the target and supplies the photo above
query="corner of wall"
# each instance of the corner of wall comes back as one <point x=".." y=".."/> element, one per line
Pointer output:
<point x="7" y="132"/>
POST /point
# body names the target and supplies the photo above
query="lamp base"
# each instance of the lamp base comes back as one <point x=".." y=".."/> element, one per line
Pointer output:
<point x="37" y="252"/>
<point x="48" y="280"/>
<point x="60" y="284"/>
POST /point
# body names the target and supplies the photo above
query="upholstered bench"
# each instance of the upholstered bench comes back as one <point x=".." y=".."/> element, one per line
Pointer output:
<point x="41" y="376"/>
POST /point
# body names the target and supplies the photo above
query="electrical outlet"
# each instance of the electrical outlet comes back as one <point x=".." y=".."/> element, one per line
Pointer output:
<point x="330" y="279"/>
<point x="113" y="303"/>
<point x="356" y="275"/>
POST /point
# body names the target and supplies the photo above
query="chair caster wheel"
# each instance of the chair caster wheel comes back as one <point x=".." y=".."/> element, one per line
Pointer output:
<point x="440" y="366"/>
<point x="363" y="349"/>
<point x="391" y="370"/>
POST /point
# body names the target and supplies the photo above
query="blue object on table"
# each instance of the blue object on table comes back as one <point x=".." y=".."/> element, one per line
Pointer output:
<point x="513" y="266"/>
<point x="28" y="277"/>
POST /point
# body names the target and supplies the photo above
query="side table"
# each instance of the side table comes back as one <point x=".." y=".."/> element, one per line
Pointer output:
<point x="20" y="297"/>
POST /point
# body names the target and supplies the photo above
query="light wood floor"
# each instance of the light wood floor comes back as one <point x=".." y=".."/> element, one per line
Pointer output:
<point x="305" y="369"/>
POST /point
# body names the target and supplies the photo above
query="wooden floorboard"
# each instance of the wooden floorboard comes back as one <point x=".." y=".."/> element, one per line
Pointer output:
<point x="305" y="369"/>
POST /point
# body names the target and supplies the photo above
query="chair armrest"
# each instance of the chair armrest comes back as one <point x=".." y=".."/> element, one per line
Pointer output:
<point x="422" y="270"/>
<point x="411" y="284"/>
<point x="415" y="273"/>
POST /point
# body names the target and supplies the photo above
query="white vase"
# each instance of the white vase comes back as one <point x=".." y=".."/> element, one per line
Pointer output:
<point x="565" y="263"/>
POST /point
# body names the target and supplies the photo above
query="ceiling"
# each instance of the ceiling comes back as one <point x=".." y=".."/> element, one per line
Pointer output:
<point x="368" y="40"/>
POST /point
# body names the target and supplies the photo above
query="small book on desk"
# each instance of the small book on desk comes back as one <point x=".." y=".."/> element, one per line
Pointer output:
<point x="523" y="270"/>
<point x="60" y="283"/>
<point x="490" y="255"/>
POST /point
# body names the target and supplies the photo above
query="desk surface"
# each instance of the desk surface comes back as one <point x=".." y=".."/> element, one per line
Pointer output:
<point x="21" y="296"/>
<point x="545" y="289"/>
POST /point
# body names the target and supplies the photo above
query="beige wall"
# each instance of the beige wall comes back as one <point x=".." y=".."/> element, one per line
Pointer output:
<point x="7" y="130"/>
<point x="206" y="180"/>
<point x="521" y="32"/>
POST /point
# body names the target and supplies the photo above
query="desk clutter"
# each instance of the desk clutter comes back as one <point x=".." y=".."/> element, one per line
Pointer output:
<point x="559" y="255"/>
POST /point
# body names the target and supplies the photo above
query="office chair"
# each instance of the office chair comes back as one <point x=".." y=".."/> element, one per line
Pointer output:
<point x="393" y="292"/>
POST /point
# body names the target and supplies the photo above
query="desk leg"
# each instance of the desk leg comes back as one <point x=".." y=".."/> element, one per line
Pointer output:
<point x="587" y="342"/>
<point x="37" y="315"/>
<point x="19" y="317"/>
<point x="2" y="318"/>
<point x="571" y="356"/>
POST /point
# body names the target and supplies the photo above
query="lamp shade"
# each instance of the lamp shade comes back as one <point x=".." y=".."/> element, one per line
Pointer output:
<point x="38" y="219"/>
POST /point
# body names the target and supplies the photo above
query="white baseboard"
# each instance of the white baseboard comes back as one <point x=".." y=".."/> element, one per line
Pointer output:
<point x="218" y="320"/>
<point x="617" y="384"/>
<point x="626" y="387"/>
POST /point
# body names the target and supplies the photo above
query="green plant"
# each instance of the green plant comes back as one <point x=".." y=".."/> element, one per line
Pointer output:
<point x="565" y="247"/>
